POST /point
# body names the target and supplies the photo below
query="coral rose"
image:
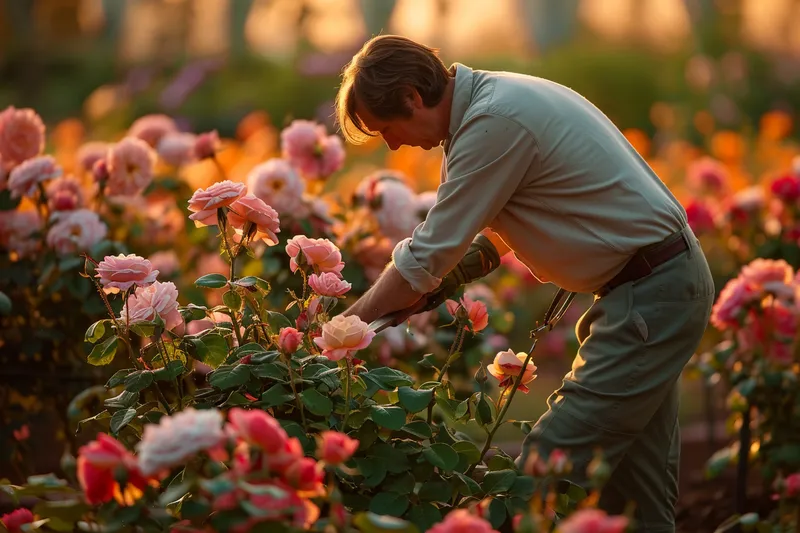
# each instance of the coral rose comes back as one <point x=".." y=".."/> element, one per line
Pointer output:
<point x="277" y="183"/>
<point x="260" y="215"/>
<point x="23" y="179"/>
<point x="151" y="128"/>
<point x="121" y="272"/>
<point x="335" y="448"/>
<point x="177" y="149"/>
<point x="256" y="428"/>
<point x="159" y="299"/>
<point x="593" y="521"/>
<point x="130" y="165"/>
<point x="21" y="135"/>
<point x="320" y="254"/>
<point x="178" y="437"/>
<point x="75" y="231"/>
<point x="307" y="147"/>
<point x="98" y="465"/>
<point x="289" y="340"/>
<point x="305" y="475"/>
<point x="204" y="202"/>
<point x="328" y="284"/>
<point x="206" y="145"/>
<point x="732" y="300"/>
<point x="476" y="311"/>
<point x="507" y="366"/>
<point x="462" y="521"/>
<point x="344" y="336"/>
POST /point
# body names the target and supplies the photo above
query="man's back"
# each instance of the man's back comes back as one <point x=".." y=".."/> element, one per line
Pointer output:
<point x="588" y="201"/>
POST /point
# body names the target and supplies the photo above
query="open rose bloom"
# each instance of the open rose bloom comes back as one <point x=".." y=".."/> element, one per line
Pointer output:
<point x="121" y="272"/>
<point x="475" y="309"/>
<point x="507" y="366"/>
<point x="320" y="254"/>
<point x="264" y="222"/>
<point x="344" y="336"/>
<point x="204" y="202"/>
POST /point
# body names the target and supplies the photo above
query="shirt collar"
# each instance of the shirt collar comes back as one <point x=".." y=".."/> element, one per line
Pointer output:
<point x="462" y="96"/>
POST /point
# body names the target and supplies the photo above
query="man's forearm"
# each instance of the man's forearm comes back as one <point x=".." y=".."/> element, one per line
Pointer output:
<point x="390" y="293"/>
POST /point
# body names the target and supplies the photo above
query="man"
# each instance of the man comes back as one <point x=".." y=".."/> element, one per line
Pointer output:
<point x="532" y="166"/>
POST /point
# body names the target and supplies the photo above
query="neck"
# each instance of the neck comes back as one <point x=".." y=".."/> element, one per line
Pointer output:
<point x="444" y="107"/>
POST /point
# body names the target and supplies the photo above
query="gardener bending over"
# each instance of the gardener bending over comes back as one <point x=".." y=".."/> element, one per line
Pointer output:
<point x="532" y="166"/>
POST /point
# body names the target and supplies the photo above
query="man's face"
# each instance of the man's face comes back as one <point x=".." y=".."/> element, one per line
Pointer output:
<point x="418" y="130"/>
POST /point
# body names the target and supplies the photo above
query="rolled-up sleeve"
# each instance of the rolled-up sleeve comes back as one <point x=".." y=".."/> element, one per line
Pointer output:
<point x="489" y="157"/>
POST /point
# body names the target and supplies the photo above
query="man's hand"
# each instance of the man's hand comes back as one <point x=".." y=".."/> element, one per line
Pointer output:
<point x="481" y="259"/>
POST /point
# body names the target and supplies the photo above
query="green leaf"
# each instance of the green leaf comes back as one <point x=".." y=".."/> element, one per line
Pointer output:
<point x="102" y="354"/>
<point x="97" y="330"/>
<point x="69" y="511"/>
<point x="123" y="400"/>
<point x="435" y="491"/>
<point x="501" y="462"/>
<point x="373" y="523"/>
<point x="419" y="429"/>
<point x="251" y="348"/>
<point x="391" y="377"/>
<point x="523" y="487"/>
<point x="402" y="484"/>
<point x="173" y="369"/>
<point x="233" y="300"/>
<point x="468" y="486"/>
<point x="441" y="456"/>
<point x="210" y="349"/>
<point x="470" y="452"/>
<point x="428" y="362"/>
<point x="389" y="503"/>
<point x="389" y="417"/>
<point x="497" y="512"/>
<point x="720" y="461"/>
<point x="498" y="481"/>
<point x="462" y="410"/>
<point x="138" y="380"/>
<point x="229" y="376"/>
<point x="396" y="461"/>
<point x="270" y="370"/>
<point x="277" y="321"/>
<point x="145" y="328"/>
<point x="412" y="400"/>
<point x="276" y="395"/>
<point x="211" y="281"/>
<point x="121" y="419"/>
<point x="424" y="515"/>
<point x="118" y="378"/>
<point x="372" y="468"/>
<point x="193" y="312"/>
<point x="316" y="402"/>
<point x="526" y="426"/>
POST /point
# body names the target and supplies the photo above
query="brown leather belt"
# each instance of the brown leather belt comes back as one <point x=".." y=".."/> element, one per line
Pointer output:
<point x="646" y="259"/>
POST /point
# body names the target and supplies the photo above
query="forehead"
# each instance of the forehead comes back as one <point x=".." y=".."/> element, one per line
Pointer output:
<point x="370" y="121"/>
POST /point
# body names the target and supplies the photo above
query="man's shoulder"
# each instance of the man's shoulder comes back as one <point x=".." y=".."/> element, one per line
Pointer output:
<point x="511" y="95"/>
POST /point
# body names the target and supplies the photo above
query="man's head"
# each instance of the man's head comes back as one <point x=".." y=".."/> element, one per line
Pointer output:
<point x="396" y="88"/>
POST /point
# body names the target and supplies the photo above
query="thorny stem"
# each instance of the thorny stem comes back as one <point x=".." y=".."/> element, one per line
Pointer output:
<point x="236" y="328"/>
<point x="347" y="393"/>
<point x="517" y="383"/>
<point x="294" y="391"/>
<point x="164" y="360"/>
<point x="454" y="349"/>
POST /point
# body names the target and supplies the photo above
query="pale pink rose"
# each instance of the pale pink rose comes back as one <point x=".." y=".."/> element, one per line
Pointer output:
<point x="476" y="311"/>
<point x="462" y="521"/>
<point x="320" y="254"/>
<point x="90" y="153"/>
<point x="130" y="167"/>
<point x="21" y="135"/>
<point x="151" y="128"/>
<point x="277" y="183"/>
<point x="207" y="145"/>
<point x="252" y="209"/>
<point x="767" y="272"/>
<point x="306" y="145"/>
<point x="392" y="202"/>
<point x="75" y="231"/>
<point x="700" y="217"/>
<point x="24" y="178"/>
<point x="507" y="366"/>
<point x="335" y="448"/>
<point x="289" y="339"/>
<point x="204" y="202"/>
<point x="119" y="273"/>
<point x="333" y="154"/>
<point x="328" y="284"/>
<point x="344" y="336"/>
<point x="18" y="232"/>
<point x="707" y="175"/>
<point x="177" y="438"/>
<point x="177" y="149"/>
<point x="64" y="194"/>
<point x="166" y="262"/>
<point x="743" y="207"/>
<point x="732" y="300"/>
<point x="159" y="299"/>
<point x="593" y="521"/>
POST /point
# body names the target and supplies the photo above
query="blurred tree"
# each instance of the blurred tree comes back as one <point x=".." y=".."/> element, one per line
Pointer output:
<point x="549" y="22"/>
<point x="377" y="14"/>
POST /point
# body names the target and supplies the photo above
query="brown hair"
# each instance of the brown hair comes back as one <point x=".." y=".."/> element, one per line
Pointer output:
<point x="380" y="75"/>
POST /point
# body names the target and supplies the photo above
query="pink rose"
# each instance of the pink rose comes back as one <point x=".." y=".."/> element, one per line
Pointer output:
<point x="707" y="175"/>
<point x="204" y="202"/>
<point x="160" y="298"/>
<point x="307" y="147"/>
<point x="593" y="521"/>
<point x="151" y="128"/>
<point x="289" y="450"/>
<point x="786" y="188"/>
<point x="767" y="272"/>
<point x="166" y="262"/>
<point x="207" y="145"/>
<point x="344" y="336"/>
<point x="392" y="201"/>
<point x="257" y="428"/>
<point x="328" y="284"/>
<point x="90" y="153"/>
<point x="21" y="135"/>
<point x="24" y="178"/>
<point x="277" y="183"/>
<point x="17" y="518"/>
<point x="289" y="340"/>
<point x="333" y="154"/>
<point x="507" y="366"/>
<point x="732" y="300"/>
<point x="335" y="448"/>
<point x="320" y="254"/>
<point x="177" y="149"/>
<point x="260" y="215"/>
<point x="17" y="231"/>
<point x="130" y="167"/>
<point x="476" y="311"/>
<point x="462" y="521"/>
<point x="75" y="231"/>
<point x="700" y="217"/>
<point x="64" y="194"/>
<point x="305" y="475"/>
<point x="121" y="272"/>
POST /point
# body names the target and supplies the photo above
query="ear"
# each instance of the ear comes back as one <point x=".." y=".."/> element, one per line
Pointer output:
<point x="413" y="98"/>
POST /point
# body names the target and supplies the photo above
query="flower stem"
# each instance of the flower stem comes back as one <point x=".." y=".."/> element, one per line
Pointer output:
<point x="165" y="360"/>
<point x="454" y="349"/>
<point x="347" y="393"/>
<point x="502" y="414"/>
<point x="294" y="391"/>
<point x="236" y="328"/>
